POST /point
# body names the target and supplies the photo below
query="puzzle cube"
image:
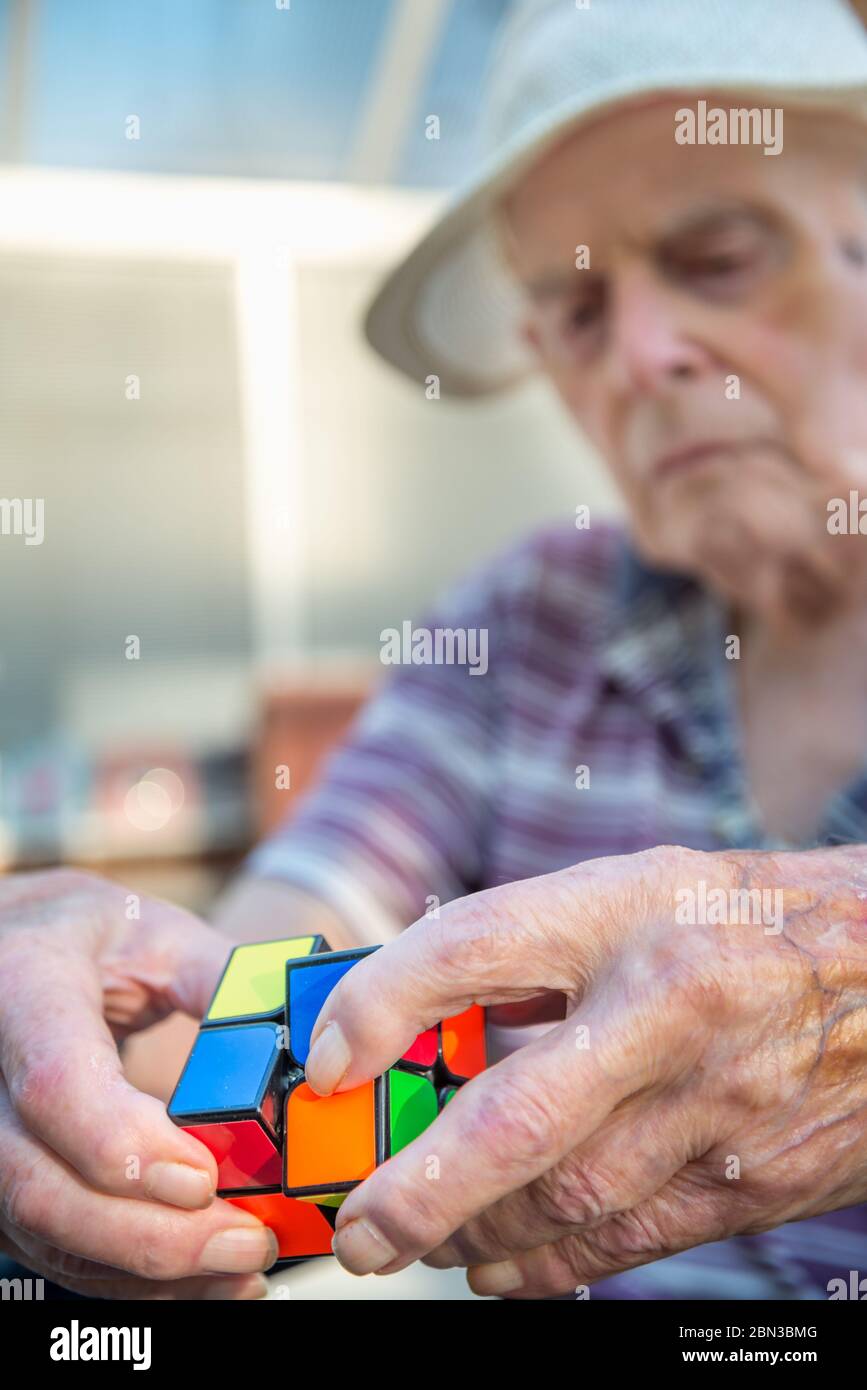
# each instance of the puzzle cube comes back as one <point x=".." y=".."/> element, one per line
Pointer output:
<point x="331" y="1143"/>
<point x="252" y="988"/>
<point x="283" y="1153"/>
<point x="230" y="1097"/>
<point x="302" y="1229"/>
<point x="309" y="983"/>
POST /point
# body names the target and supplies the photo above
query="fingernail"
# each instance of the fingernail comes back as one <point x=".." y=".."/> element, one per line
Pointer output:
<point x="504" y="1277"/>
<point x="237" y="1290"/>
<point x="179" y="1185"/>
<point x="361" y="1248"/>
<point x="328" y="1060"/>
<point x="240" y="1250"/>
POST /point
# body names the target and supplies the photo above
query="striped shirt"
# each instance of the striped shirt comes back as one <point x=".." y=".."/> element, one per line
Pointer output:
<point x="606" y="723"/>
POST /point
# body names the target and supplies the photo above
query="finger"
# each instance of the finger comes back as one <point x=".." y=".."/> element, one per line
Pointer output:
<point x="170" y="963"/>
<point x="546" y="1272"/>
<point x="44" y="1199"/>
<point x="65" y="1078"/>
<point x="491" y="948"/>
<point x="101" y="1281"/>
<point x="632" y="1154"/>
<point x="503" y="1129"/>
<point x="156" y="955"/>
<point x="687" y="1212"/>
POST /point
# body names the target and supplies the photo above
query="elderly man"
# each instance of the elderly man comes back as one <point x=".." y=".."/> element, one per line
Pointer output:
<point x="697" y="1072"/>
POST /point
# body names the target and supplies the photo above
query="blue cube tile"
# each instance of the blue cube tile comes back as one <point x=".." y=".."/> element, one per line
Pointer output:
<point x="308" y="984"/>
<point x="229" y="1070"/>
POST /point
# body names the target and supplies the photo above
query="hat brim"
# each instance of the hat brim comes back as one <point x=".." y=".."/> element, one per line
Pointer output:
<point x="449" y="309"/>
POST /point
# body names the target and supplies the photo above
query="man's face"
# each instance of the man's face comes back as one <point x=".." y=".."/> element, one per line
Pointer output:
<point x="714" y="349"/>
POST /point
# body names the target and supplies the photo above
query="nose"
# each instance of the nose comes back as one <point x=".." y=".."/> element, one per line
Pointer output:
<point x="650" y="345"/>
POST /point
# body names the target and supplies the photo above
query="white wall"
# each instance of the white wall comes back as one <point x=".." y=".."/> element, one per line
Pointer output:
<point x="275" y="492"/>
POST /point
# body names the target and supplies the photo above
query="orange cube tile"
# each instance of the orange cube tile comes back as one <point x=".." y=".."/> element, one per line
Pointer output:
<point x="330" y="1142"/>
<point x="300" y="1227"/>
<point x="463" y="1046"/>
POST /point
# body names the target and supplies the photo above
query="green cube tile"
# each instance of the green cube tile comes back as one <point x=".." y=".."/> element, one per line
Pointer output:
<point x="412" y="1106"/>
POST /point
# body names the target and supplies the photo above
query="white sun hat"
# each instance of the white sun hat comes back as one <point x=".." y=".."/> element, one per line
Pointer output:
<point x="449" y="309"/>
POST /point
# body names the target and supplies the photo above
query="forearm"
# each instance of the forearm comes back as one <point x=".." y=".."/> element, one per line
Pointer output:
<point x="259" y="909"/>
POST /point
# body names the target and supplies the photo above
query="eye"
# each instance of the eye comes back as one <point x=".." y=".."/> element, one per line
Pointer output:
<point x="585" y="311"/>
<point x="569" y="325"/>
<point x="722" y="265"/>
<point x="584" y="315"/>
<point x="719" y="267"/>
<point x="854" y="250"/>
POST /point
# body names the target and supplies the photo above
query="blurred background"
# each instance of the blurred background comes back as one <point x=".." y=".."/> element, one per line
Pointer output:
<point x="196" y="201"/>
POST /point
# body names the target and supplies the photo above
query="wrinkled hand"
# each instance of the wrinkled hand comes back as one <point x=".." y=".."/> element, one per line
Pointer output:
<point x="708" y="1079"/>
<point x="98" y="1189"/>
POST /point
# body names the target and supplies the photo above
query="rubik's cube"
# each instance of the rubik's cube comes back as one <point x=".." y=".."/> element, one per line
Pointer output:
<point x="284" y="1153"/>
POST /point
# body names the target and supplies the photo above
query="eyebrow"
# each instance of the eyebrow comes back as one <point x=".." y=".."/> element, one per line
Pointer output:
<point x="709" y="215"/>
<point x="549" y="283"/>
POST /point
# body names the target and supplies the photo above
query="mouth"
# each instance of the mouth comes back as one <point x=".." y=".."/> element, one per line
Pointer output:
<point x="690" y="457"/>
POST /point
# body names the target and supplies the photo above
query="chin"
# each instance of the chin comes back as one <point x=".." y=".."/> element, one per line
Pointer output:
<point x="676" y="548"/>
